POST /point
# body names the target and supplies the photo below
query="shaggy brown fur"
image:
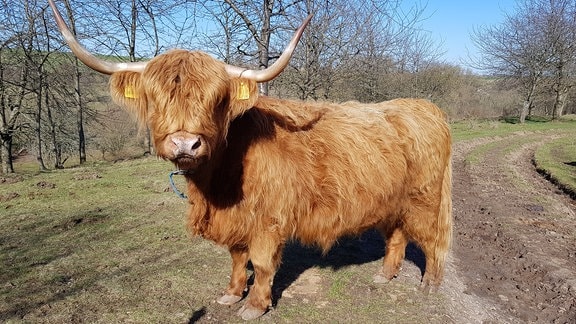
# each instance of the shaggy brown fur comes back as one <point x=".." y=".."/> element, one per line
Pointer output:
<point x="269" y="170"/>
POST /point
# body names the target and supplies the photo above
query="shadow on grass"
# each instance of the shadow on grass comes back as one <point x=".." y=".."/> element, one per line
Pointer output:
<point x="533" y="119"/>
<point x="197" y="315"/>
<point x="348" y="251"/>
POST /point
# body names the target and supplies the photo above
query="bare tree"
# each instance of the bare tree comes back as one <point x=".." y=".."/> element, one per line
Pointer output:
<point x="79" y="100"/>
<point x="32" y="45"/>
<point x="535" y="46"/>
<point x="223" y="40"/>
<point x="30" y="54"/>
<point x="515" y="49"/>
<point x="258" y="22"/>
<point x="363" y="36"/>
<point x="16" y="72"/>
<point x="560" y="16"/>
<point x="11" y="97"/>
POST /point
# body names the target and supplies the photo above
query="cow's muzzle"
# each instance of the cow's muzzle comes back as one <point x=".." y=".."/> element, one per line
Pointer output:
<point x="186" y="150"/>
<point x="187" y="147"/>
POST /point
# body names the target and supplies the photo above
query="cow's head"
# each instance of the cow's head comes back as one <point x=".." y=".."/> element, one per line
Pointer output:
<point x="187" y="98"/>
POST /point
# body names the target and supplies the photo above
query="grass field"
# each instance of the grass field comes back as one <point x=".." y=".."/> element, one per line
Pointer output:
<point x="69" y="230"/>
<point x="107" y="242"/>
<point x="557" y="161"/>
<point x="476" y="129"/>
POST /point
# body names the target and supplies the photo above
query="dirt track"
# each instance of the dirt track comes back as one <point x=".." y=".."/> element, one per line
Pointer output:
<point x="514" y="250"/>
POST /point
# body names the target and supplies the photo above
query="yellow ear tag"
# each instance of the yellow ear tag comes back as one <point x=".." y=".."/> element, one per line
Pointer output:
<point x="130" y="93"/>
<point x="243" y="92"/>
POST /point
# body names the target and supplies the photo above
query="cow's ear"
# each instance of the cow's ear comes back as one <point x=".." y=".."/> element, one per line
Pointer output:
<point x="243" y="95"/>
<point x="126" y="90"/>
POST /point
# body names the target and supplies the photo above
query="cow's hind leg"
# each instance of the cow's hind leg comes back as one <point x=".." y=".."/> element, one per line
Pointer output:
<point x="238" y="279"/>
<point x="434" y="240"/>
<point x="265" y="255"/>
<point x="434" y="272"/>
<point x="433" y="232"/>
<point x="396" y="243"/>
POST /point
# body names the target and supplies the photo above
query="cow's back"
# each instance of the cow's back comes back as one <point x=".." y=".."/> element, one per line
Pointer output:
<point x="355" y="166"/>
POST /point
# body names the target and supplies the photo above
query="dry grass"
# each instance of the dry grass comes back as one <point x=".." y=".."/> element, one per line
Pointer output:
<point x="107" y="243"/>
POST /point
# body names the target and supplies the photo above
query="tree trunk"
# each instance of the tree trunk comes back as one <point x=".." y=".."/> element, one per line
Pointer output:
<point x="39" y="157"/>
<point x="56" y="147"/>
<point x="562" y="104"/>
<point x="527" y="106"/>
<point x="77" y="93"/>
<point x="6" y="153"/>
<point x="559" y="103"/>
<point x="261" y="37"/>
<point x="10" y="113"/>
<point x="525" y="110"/>
<point x="132" y="56"/>
<point x="264" y="42"/>
<point x="7" y="120"/>
<point x="80" y="114"/>
<point x="39" y="105"/>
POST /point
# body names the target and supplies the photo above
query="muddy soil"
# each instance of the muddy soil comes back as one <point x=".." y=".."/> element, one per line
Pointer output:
<point x="515" y="234"/>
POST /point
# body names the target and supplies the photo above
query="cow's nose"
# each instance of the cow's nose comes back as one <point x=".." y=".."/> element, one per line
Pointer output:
<point x="189" y="145"/>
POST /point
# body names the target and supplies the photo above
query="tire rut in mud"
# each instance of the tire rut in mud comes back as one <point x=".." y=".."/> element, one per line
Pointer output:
<point x="514" y="235"/>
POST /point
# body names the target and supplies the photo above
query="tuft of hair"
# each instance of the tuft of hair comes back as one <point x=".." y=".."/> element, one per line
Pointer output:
<point x="126" y="90"/>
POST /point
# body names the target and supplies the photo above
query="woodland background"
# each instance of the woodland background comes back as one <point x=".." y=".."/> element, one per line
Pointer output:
<point x="56" y="110"/>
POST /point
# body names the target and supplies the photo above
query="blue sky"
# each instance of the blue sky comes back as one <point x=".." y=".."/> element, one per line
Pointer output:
<point x="451" y="22"/>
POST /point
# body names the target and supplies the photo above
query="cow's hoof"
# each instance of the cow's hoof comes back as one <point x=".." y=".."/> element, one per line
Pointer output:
<point x="429" y="284"/>
<point x="249" y="313"/>
<point x="427" y="288"/>
<point x="380" y="279"/>
<point x="229" y="299"/>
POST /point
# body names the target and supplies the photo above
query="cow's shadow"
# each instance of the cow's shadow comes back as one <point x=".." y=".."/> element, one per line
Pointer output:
<point x="348" y="251"/>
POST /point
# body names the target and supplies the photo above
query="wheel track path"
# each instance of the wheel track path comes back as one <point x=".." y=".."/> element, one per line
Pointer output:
<point x="514" y="232"/>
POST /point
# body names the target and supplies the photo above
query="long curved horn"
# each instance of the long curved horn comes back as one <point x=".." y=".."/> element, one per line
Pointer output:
<point x="86" y="57"/>
<point x="272" y="71"/>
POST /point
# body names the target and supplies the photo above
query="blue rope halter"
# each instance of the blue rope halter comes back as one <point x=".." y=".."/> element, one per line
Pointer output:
<point x="176" y="191"/>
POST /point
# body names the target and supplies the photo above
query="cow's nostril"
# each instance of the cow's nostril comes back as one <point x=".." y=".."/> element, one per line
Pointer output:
<point x="196" y="144"/>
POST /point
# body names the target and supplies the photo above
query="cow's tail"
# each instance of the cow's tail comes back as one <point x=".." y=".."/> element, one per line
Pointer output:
<point x="444" y="233"/>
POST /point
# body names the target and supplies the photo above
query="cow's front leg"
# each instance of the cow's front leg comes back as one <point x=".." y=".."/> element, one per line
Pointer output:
<point x="395" y="250"/>
<point x="238" y="279"/>
<point x="265" y="256"/>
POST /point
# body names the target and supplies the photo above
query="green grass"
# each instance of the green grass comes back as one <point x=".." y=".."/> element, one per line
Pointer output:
<point x="476" y="155"/>
<point x="83" y="229"/>
<point x="557" y="160"/>
<point x="467" y="130"/>
<point x="505" y="147"/>
<point x="340" y="281"/>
